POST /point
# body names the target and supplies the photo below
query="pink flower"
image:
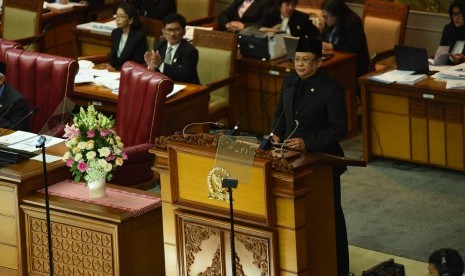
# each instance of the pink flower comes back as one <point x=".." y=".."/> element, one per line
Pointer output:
<point x="69" y="162"/>
<point x="111" y="157"/>
<point x="90" y="134"/>
<point x="82" y="166"/>
<point x="105" y="132"/>
<point x="124" y="155"/>
<point x="71" y="131"/>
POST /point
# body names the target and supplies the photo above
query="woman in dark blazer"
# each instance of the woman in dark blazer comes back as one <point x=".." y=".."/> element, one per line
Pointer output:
<point x="344" y="31"/>
<point x="128" y="42"/>
<point x="256" y="14"/>
<point x="455" y="31"/>
<point x="298" y="23"/>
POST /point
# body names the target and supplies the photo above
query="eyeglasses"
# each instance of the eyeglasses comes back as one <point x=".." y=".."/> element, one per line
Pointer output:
<point x="116" y="16"/>
<point x="175" y="30"/>
<point x="456" y="15"/>
<point x="304" y="60"/>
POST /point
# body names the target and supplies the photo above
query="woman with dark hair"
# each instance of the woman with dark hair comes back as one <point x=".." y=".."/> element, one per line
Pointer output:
<point x="292" y="21"/>
<point x="344" y="31"/>
<point x="128" y="42"/>
<point x="453" y="34"/>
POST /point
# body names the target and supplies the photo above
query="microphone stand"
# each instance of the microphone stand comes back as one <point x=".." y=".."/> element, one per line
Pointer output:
<point x="231" y="183"/>
<point x="41" y="144"/>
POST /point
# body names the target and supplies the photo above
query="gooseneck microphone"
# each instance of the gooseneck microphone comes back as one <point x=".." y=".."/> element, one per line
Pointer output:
<point x="290" y="135"/>
<point x="266" y="143"/>
<point x="203" y="123"/>
<point x="236" y="127"/>
<point x="39" y="37"/>
<point x="32" y="112"/>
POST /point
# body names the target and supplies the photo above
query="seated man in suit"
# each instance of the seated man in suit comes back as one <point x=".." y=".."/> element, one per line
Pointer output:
<point x="294" y="22"/>
<point x="13" y="107"/>
<point x="174" y="56"/>
<point x="244" y="13"/>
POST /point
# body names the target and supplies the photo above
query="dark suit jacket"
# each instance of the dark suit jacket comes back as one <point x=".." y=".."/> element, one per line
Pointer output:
<point x="184" y="63"/>
<point x="157" y="9"/>
<point x="256" y="15"/>
<point x="13" y="107"/>
<point x="299" y="23"/>
<point x="350" y="37"/>
<point x="321" y="112"/>
<point x="136" y="46"/>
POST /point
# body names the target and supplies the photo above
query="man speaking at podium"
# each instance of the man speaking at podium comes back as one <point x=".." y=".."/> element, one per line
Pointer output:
<point x="311" y="116"/>
<point x="13" y="107"/>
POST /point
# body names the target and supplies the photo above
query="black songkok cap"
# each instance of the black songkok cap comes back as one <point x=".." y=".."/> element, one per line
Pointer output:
<point x="308" y="44"/>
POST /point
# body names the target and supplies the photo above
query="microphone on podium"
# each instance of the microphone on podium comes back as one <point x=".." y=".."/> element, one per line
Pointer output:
<point x="266" y="143"/>
<point x="39" y="37"/>
<point x="202" y="123"/>
<point x="33" y="111"/>
<point x="236" y="127"/>
<point x="290" y="135"/>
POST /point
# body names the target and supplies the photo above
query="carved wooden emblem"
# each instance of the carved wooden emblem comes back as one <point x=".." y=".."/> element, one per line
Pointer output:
<point x="215" y="187"/>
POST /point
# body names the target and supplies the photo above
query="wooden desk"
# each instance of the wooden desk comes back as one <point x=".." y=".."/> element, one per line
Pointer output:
<point x="422" y="123"/>
<point x="16" y="181"/>
<point x="283" y="215"/>
<point x="59" y="40"/>
<point x="258" y="80"/>
<point x="89" y="43"/>
<point x="91" y="239"/>
<point x="188" y="106"/>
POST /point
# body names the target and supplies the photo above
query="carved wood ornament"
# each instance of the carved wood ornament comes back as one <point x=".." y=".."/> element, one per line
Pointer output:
<point x="211" y="141"/>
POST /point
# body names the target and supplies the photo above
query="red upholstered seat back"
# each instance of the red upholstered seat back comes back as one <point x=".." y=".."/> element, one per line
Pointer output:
<point x="44" y="80"/>
<point x="6" y="45"/>
<point x="141" y="100"/>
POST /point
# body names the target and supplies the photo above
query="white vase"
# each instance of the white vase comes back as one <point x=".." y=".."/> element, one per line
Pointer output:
<point x="97" y="188"/>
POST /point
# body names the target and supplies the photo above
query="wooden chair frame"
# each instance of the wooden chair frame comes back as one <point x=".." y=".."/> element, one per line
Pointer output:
<point x="30" y="5"/>
<point x="225" y="41"/>
<point x="387" y="10"/>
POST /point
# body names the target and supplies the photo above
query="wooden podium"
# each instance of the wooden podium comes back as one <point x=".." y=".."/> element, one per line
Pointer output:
<point x="284" y="216"/>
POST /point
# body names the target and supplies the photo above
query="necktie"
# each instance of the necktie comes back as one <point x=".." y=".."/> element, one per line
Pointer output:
<point x="168" y="55"/>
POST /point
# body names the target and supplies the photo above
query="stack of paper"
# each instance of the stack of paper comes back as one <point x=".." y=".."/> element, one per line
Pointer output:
<point x="390" y="76"/>
<point x="411" y="79"/>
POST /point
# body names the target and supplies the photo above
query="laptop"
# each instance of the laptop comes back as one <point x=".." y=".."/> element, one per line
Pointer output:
<point x="290" y="42"/>
<point x="412" y="59"/>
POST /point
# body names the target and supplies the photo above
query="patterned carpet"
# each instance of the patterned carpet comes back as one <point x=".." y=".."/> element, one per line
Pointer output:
<point x="401" y="208"/>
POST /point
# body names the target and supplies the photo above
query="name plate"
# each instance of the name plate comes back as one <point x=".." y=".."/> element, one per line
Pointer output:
<point x="101" y="27"/>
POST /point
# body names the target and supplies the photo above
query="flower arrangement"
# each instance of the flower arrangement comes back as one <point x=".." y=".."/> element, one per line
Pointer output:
<point x="94" y="149"/>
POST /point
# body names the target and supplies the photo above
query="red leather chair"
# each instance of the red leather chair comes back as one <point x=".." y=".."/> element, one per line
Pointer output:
<point x="43" y="79"/>
<point x="6" y="45"/>
<point x="139" y="114"/>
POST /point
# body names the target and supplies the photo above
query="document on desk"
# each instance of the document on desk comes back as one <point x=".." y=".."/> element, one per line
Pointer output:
<point x="390" y="76"/>
<point x="176" y="89"/>
<point x="455" y="84"/>
<point x="26" y="141"/>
